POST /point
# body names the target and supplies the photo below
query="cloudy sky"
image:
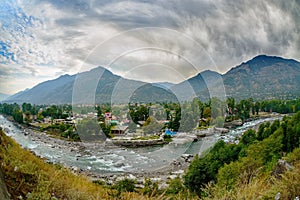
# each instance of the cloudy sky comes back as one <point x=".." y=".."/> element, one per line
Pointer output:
<point x="152" y="41"/>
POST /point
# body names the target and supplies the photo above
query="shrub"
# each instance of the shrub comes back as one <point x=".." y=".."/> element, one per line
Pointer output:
<point x="175" y="186"/>
<point x="125" y="185"/>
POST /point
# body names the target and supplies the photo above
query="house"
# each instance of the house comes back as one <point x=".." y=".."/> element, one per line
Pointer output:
<point x="59" y="121"/>
<point x="47" y="120"/>
<point x="29" y="117"/>
<point x="108" y="115"/>
<point x="113" y="122"/>
<point x="118" y="130"/>
<point x="141" y="122"/>
<point x="92" y="115"/>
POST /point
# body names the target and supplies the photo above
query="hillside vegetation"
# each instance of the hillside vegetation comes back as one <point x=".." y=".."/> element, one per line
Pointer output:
<point x="264" y="164"/>
<point x="30" y="177"/>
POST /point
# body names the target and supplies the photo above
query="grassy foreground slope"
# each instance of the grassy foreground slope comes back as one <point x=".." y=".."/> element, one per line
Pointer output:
<point x="27" y="176"/>
<point x="261" y="185"/>
<point x="30" y="177"/>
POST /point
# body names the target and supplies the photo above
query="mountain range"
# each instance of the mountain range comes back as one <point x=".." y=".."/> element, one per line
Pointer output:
<point x="262" y="77"/>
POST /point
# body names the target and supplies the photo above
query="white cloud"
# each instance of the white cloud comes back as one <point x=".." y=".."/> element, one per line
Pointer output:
<point x="72" y="36"/>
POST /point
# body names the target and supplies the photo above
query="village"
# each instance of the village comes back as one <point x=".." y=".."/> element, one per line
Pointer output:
<point x="64" y="122"/>
<point x="140" y="124"/>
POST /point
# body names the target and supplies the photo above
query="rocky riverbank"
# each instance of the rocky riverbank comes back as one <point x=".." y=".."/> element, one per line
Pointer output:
<point x="161" y="176"/>
<point x="130" y="142"/>
<point x="81" y="150"/>
<point x="109" y="162"/>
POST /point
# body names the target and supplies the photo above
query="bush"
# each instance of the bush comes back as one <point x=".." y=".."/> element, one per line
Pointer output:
<point x="150" y="188"/>
<point x="125" y="185"/>
<point x="167" y="138"/>
<point x="175" y="186"/>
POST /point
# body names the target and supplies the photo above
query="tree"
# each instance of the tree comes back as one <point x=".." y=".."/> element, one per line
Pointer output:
<point x="99" y="111"/>
<point x="256" y="107"/>
<point x="218" y="107"/>
<point x="228" y="175"/>
<point x="219" y="121"/>
<point x="203" y="170"/>
<point x="188" y="122"/>
<point x="26" y="107"/>
<point x="131" y="127"/>
<point x="18" y="115"/>
<point x="267" y="132"/>
<point x="175" y="186"/>
<point x="275" y="125"/>
<point x="106" y="129"/>
<point x="207" y="112"/>
<point x="125" y="185"/>
<point x="27" y="119"/>
<point x="231" y="105"/>
<point x="151" y="126"/>
<point x="196" y="175"/>
<point x="138" y="113"/>
<point x="90" y="130"/>
<point x="175" y="120"/>
<point x="244" y="109"/>
<point x="260" y="132"/>
<point x="248" y="137"/>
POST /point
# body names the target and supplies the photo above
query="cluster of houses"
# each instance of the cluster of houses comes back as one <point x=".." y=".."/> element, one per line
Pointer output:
<point x="117" y="127"/>
<point x="119" y="124"/>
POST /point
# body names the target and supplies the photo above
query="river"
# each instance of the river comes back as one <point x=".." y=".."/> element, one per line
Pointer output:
<point x="97" y="158"/>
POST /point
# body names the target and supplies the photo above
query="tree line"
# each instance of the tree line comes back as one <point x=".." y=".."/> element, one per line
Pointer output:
<point x="182" y="117"/>
<point x="197" y="114"/>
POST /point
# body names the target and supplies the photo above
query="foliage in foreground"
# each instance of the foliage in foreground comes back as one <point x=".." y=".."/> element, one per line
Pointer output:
<point x="247" y="170"/>
<point x="30" y="177"/>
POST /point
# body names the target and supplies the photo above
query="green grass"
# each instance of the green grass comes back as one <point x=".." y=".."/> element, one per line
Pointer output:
<point x="151" y="137"/>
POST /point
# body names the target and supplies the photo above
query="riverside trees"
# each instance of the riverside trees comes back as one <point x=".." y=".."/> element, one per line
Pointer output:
<point x="181" y="117"/>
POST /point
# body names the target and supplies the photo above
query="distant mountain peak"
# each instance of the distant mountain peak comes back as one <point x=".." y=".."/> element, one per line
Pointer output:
<point x="101" y="70"/>
<point x="208" y="73"/>
<point x="65" y="75"/>
<point x="264" y="77"/>
<point x="261" y="77"/>
<point x="261" y="59"/>
<point x="163" y="85"/>
<point x="264" y="56"/>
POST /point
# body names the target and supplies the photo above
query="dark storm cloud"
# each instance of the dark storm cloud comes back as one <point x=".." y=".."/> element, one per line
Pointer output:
<point x="228" y="31"/>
